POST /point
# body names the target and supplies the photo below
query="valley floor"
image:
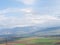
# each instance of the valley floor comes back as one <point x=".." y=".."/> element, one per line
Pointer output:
<point x="34" y="41"/>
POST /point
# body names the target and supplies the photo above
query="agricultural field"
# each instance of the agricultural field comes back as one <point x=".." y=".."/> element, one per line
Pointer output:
<point x="34" y="41"/>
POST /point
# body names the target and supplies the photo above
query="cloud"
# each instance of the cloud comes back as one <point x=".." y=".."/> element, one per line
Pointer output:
<point x="27" y="2"/>
<point x="28" y="19"/>
<point x="9" y="10"/>
<point x="27" y="10"/>
<point x="44" y="20"/>
<point x="15" y="10"/>
<point x="13" y="20"/>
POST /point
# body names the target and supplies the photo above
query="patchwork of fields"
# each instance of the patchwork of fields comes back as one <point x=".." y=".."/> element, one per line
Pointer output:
<point x="34" y="41"/>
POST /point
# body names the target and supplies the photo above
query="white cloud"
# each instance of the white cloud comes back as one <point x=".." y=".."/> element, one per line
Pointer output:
<point x="28" y="18"/>
<point x="28" y="21"/>
<point x="15" y="10"/>
<point x="27" y="2"/>
<point x="27" y="10"/>
<point x="9" y="10"/>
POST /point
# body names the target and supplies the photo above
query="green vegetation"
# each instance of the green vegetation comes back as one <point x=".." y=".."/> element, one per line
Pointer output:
<point x="43" y="40"/>
<point x="20" y="44"/>
<point x="36" y="41"/>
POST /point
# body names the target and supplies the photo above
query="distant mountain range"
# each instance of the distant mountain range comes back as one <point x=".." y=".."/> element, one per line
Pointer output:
<point x="30" y="31"/>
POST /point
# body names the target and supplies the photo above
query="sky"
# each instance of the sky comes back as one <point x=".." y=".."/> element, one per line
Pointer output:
<point x="20" y="13"/>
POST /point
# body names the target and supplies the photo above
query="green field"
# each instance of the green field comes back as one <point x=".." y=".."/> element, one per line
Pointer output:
<point x="41" y="41"/>
<point x="20" y="44"/>
<point x="34" y="41"/>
